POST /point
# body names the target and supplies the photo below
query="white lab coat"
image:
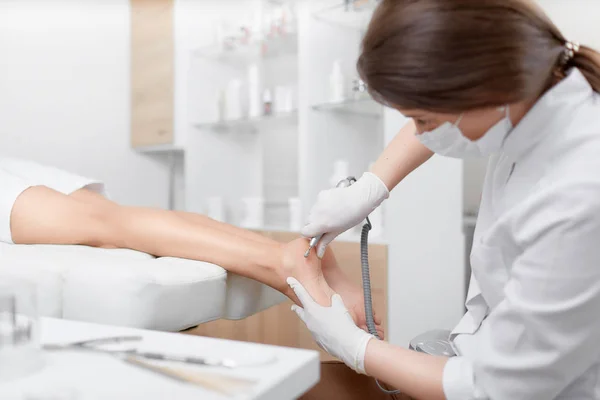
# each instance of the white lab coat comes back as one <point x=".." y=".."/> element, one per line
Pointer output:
<point x="532" y="330"/>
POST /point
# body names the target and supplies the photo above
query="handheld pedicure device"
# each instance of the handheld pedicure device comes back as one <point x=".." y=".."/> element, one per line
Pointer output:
<point x="312" y="244"/>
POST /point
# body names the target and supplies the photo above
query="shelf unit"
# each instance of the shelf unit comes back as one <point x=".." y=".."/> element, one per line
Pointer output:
<point x="258" y="47"/>
<point x="366" y="107"/>
<point x="292" y="155"/>
<point x="288" y="155"/>
<point x="249" y="124"/>
<point x="261" y="151"/>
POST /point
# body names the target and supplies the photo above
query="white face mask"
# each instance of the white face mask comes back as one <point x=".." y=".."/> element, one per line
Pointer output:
<point x="448" y="140"/>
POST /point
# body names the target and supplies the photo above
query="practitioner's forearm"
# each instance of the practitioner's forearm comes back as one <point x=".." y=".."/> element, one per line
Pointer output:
<point x="418" y="375"/>
<point x="402" y="156"/>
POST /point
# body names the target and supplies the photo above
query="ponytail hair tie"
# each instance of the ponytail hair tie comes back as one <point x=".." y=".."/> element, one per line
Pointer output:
<point x="571" y="49"/>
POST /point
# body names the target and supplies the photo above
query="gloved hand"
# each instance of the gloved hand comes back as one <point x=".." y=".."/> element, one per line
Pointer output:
<point x="340" y="209"/>
<point x="332" y="328"/>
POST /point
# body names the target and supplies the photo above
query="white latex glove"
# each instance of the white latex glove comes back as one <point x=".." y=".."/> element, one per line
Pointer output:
<point x="340" y="209"/>
<point x="333" y="328"/>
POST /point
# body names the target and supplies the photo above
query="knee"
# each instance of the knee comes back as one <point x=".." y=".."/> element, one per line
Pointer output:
<point x="104" y="223"/>
<point x="44" y="216"/>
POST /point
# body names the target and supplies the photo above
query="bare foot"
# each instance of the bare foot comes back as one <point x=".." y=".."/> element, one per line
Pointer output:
<point x="306" y="270"/>
<point x="352" y="294"/>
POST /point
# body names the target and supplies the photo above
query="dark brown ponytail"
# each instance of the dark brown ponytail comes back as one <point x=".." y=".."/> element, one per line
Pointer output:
<point x="455" y="55"/>
<point x="587" y="61"/>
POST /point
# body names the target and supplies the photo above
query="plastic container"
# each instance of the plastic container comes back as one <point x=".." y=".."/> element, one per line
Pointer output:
<point x="254" y="213"/>
<point x="20" y="350"/>
<point x="254" y="109"/>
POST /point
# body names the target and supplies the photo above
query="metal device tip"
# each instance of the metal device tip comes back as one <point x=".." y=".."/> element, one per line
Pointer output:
<point x="307" y="253"/>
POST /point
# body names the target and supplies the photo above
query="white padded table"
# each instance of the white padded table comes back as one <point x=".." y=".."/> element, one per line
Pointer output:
<point x="129" y="288"/>
<point x="288" y="373"/>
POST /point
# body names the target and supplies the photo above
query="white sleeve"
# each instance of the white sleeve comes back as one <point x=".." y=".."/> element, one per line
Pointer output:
<point x="458" y="380"/>
<point x="544" y="334"/>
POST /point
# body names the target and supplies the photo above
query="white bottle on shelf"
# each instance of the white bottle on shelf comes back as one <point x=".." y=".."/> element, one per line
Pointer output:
<point x="296" y="218"/>
<point x="267" y="102"/>
<point x="234" y="100"/>
<point x="213" y="110"/>
<point x="254" y="213"/>
<point x="336" y="83"/>
<point x="216" y="208"/>
<point x="254" y="103"/>
<point x="284" y="99"/>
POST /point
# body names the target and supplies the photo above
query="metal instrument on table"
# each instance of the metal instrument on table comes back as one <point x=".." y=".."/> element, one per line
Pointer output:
<point x="95" y="345"/>
<point x="223" y="384"/>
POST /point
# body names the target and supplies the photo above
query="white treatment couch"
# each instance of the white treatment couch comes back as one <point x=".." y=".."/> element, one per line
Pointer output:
<point x="133" y="289"/>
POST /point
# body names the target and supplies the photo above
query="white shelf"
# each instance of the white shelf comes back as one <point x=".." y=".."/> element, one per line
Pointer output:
<point x="255" y="49"/>
<point x="364" y="107"/>
<point x="249" y="125"/>
<point x="351" y="14"/>
<point x="160" y="149"/>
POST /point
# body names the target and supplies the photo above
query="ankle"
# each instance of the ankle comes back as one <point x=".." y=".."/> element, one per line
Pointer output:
<point x="306" y="270"/>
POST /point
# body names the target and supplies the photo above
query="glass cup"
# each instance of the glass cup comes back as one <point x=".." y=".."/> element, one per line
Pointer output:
<point x="20" y="352"/>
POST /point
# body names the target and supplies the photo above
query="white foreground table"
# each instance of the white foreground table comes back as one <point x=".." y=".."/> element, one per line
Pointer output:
<point x="284" y="373"/>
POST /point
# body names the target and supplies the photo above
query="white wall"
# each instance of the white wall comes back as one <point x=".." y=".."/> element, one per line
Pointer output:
<point x="426" y="251"/>
<point x="64" y="93"/>
<point x="578" y="19"/>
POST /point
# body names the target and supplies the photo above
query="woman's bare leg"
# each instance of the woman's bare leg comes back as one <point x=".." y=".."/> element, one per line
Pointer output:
<point x="333" y="274"/>
<point x="98" y="200"/>
<point x="44" y="216"/>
